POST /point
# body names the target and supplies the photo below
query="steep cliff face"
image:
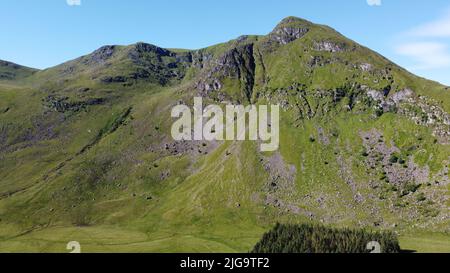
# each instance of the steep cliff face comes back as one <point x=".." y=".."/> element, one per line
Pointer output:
<point x="233" y="70"/>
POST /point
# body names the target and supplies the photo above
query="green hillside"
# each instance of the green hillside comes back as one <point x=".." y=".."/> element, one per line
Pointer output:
<point x="13" y="72"/>
<point x="86" y="152"/>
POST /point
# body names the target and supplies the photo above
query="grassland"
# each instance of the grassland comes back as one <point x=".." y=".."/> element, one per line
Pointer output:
<point x="115" y="239"/>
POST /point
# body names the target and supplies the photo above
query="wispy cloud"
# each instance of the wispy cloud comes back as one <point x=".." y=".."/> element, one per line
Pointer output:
<point x="427" y="45"/>
<point x="374" y="2"/>
<point x="439" y="28"/>
<point x="73" y="2"/>
<point x="426" y="55"/>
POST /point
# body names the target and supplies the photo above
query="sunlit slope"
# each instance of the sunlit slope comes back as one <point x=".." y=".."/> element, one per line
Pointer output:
<point x="86" y="151"/>
<point x="14" y="72"/>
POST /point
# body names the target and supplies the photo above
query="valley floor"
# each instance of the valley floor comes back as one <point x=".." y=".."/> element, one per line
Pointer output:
<point x="112" y="239"/>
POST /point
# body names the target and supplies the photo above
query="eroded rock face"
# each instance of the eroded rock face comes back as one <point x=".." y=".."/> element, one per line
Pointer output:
<point x="140" y="49"/>
<point x="201" y="59"/>
<point x="289" y="30"/>
<point x="366" y="67"/>
<point x="422" y="110"/>
<point x="402" y="183"/>
<point x="101" y="55"/>
<point x="390" y="103"/>
<point x="235" y="64"/>
<point x="280" y="190"/>
<point x="380" y="154"/>
<point x="402" y="95"/>
<point x="285" y="35"/>
<point x="329" y="46"/>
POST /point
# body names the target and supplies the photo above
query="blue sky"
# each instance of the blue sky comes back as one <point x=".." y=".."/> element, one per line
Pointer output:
<point x="44" y="33"/>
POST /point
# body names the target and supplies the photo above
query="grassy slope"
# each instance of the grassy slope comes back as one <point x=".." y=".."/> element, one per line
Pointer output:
<point x="116" y="195"/>
<point x="11" y="72"/>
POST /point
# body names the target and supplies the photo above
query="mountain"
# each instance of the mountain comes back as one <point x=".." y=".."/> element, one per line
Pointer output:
<point x="12" y="71"/>
<point x="87" y="155"/>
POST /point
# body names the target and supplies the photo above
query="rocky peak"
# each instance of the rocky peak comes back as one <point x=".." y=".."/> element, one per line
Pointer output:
<point x="294" y="20"/>
<point x="290" y="29"/>
<point x="100" y="55"/>
<point x="141" y="48"/>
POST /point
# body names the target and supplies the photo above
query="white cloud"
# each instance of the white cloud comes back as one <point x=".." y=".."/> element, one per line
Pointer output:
<point x="73" y="2"/>
<point x="426" y="55"/>
<point x="374" y="2"/>
<point x="439" y="28"/>
<point x="427" y="45"/>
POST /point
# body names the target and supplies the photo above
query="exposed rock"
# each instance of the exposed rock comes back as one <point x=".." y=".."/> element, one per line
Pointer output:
<point x="114" y="79"/>
<point x="366" y="67"/>
<point x="140" y="49"/>
<point x="62" y="104"/>
<point x="157" y="64"/>
<point x="329" y="46"/>
<point x="100" y="56"/>
<point x="323" y="138"/>
<point x="285" y="35"/>
<point x="237" y="63"/>
<point x="402" y="95"/>
<point x="242" y="38"/>
<point x="200" y="59"/>
<point x="381" y="155"/>
<point x="7" y="76"/>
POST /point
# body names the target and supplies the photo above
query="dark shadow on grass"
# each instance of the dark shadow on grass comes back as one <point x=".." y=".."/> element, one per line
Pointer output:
<point x="408" y="251"/>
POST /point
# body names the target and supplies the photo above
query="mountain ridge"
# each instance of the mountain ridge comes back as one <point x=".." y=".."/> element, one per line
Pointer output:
<point x="11" y="71"/>
<point x="86" y="149"/>
<point x="287" y="23"/>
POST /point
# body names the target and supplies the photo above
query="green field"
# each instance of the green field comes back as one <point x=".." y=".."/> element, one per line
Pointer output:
<point x="112" y="239"/>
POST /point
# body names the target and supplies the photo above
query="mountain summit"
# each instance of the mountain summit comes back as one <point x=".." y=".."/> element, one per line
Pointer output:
<point x="86" y="150"/>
